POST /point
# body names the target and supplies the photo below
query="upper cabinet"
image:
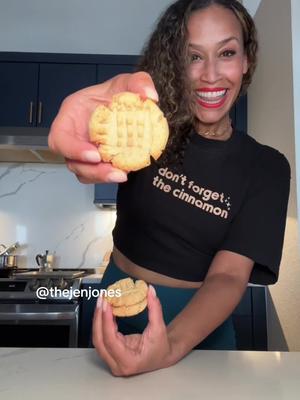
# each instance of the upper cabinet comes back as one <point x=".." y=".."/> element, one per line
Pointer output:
<point x="107" y="71"/>
<point x="238" y="114"/>
<point x="57" y="81"/>
<point x="33" y="85"/>
<point x="31" y="93"/>
<point x="18" y="93"/>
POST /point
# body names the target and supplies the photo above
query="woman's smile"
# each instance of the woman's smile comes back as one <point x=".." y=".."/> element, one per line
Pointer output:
<point x="211" y="97"/>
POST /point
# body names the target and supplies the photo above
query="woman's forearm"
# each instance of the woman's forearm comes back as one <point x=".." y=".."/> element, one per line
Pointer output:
<point x="212" y="304"/>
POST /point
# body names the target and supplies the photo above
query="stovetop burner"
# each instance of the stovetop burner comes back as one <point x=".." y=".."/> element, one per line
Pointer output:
<point x="27" y="273"/>
<point x="67" y="273"/>
<point x="8" y="272"/>
<point x="25" y="284"/>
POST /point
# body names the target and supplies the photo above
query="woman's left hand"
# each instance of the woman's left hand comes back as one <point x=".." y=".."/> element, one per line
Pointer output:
<point x="132" y="354"/>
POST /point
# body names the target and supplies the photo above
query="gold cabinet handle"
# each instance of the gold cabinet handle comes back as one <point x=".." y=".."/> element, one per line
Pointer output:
<point x="30" y="112"/>
<point x="40" y="112"/>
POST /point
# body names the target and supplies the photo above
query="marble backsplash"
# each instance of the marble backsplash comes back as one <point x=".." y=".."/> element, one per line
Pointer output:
<point x="44" y="207"/>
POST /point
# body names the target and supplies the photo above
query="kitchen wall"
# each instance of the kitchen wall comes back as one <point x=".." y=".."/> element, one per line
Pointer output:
<point x="272" y="111"/>
<point x="295" y="9"/>
<point x="77" y="26"/>
<point x="44" y="207"/>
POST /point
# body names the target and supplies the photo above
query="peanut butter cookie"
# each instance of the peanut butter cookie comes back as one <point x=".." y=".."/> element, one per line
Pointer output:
<point x="129" y="131"/>
<point x="133" y="298"/>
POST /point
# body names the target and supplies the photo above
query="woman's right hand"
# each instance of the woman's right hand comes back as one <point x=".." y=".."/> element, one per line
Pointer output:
<point x="69" y="134"/>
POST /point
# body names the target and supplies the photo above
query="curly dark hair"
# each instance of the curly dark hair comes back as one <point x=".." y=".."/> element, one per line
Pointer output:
<point x="165" y="58"/>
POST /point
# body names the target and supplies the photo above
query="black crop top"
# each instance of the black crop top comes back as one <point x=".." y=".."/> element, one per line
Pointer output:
<point x="230" y="195"/>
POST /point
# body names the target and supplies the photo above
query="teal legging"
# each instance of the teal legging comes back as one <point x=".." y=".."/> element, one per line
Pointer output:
<point x="173" y="300"/>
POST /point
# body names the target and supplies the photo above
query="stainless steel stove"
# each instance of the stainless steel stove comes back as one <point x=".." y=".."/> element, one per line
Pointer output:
<point x="40" y="309"/>
<point x="59" y="284"/>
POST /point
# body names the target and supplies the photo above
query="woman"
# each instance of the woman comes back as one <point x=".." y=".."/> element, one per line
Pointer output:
<point x="221" y="222"/>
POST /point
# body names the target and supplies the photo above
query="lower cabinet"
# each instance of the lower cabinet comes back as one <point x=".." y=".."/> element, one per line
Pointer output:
<point x="105" y="194"/>
<point x="86" y="313"/>
<point x="249" y="319"/>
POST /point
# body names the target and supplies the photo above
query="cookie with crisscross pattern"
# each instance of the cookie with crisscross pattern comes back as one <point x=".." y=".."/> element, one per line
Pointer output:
<point x="133" y="298"/>
<point x="128" y="131"/>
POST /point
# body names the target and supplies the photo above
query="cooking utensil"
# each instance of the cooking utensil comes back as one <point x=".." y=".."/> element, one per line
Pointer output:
<point x="45" y="261"/>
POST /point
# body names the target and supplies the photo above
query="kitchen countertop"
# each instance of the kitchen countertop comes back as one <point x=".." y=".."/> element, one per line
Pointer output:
<point x="67" y="374"/>
<point x="92" y="278"/>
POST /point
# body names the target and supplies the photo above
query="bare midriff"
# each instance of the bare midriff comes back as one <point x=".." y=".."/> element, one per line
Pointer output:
<point x="138" y="272"/>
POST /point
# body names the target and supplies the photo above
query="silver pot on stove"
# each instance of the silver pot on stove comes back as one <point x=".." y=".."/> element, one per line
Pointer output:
<point x="7" y="260"/>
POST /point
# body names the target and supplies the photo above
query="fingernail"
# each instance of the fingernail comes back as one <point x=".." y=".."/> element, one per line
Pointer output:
<point x="153" y="291"/>
<point x="117" y="176"/>
<point x="151" y="93"/>
<point x="91" y="156"/>
<point x="99" y="302"/>
<point x="104" y="305"/>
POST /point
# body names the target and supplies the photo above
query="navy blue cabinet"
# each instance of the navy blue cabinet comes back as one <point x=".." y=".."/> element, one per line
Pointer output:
<point x="107" y="71"/>
<point x="33" y="85"/>
<point x="57" y="81"/>
<point x="31" y="93"/>
<point x="259" y="320"/>
<point x="86" y="313"/>
<point x="18" y="93"/>
<point x="105" y="194"/>
<point x="238" y="114"/>
<point x="250" y="320"/>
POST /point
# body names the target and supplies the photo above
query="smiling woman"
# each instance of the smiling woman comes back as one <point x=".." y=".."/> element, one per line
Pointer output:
<point x="209" y="215"/>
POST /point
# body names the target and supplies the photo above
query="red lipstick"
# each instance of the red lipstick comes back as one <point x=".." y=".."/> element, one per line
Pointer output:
<point x="217" y="89"/>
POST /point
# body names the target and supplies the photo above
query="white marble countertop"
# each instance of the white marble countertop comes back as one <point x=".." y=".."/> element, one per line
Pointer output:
<point x="67" y="374"/>
<point x="92" y="278"/>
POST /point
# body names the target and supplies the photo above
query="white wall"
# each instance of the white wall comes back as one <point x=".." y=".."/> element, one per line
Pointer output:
<point x="271" y="111"/>
<point x="77" y="26"/>
<point x="296" y="81"/>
